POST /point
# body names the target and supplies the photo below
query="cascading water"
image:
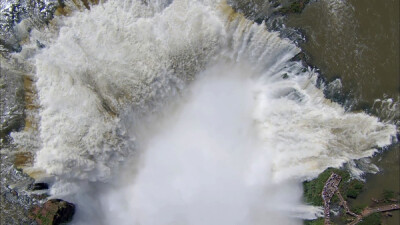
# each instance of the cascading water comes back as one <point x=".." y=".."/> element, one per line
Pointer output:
<point x="184" y="113"/>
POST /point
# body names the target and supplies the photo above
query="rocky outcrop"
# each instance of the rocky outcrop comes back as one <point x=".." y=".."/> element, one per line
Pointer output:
<point x="38" y="186"/>
<point x="53" y="212"/>
<point x="11" y="100"/>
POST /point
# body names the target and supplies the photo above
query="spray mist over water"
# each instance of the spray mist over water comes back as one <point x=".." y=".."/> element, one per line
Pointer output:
<point x="204" y="164"/>
<point x="245" y="124"/>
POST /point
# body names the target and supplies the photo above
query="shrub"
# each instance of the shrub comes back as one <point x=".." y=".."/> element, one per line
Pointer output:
<point x="355" y="187"/>
<point x="373" y="219"/>
<point x="388" y="194"/>
<point x="358" y="208"/>
<point x="319" y="221"/>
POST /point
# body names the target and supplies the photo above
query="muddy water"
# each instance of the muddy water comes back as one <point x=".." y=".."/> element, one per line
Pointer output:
<point x="358" y="41"/>
<point x="387" y="179"/>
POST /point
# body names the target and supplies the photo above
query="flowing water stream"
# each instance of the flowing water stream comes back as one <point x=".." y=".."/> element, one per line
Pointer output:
<point x="182" y="112"/>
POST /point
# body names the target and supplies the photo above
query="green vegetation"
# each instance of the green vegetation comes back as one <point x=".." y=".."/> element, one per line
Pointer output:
<point x="313" y="188"/>
<point x="373" y="219"/>
<point x="296" y="7"/>
<point x="319" y="221"/>
<point x="345" y="218"/>
<point x="387" y="195"/>
<point x="350" y="188"/>
<point x="358" y="208"/>
<point x="355" y="187"/>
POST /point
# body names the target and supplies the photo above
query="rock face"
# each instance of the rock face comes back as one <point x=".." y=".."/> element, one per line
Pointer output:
<point x="53" y="212"/>
<point x="38" y="186"/>
<point x="11" y="99"/>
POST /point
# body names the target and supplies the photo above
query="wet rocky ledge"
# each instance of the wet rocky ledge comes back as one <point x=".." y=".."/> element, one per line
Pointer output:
<point x="53" y="212"/>
<point x="22" y="199"/>
<point x="25" y="201"/>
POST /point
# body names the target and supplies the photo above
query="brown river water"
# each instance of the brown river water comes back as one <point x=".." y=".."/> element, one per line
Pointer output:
<point x="358" y="41"/>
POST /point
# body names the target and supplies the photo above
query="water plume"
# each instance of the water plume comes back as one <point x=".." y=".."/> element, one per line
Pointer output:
<point x="202" y="163"/>
<point x="185" y="113"/>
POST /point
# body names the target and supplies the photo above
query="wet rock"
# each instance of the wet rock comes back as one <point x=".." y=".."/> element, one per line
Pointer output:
<point x="294" y="7"/>
<point x="39" y="44"/>
<point x="39" y="196"/>
<point x="11" y="101"/>
<point x="14" y="200"/>
<point x="257" y="11"/>
<point x="302" y="57"/>
<point x="38" y="186"/>
<point x="388" y="214"/>
<point x="53" y="212"/>
<point x="13" y="192"/>
<point x="376" y="201"/>
<point x="13" y="12"/>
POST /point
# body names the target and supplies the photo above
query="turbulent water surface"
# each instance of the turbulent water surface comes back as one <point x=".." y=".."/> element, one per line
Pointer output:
<point x="182" y="112"/>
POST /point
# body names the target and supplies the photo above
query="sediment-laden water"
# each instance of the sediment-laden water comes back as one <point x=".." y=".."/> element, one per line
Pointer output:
<point x="181" y="112"/>
<point x="358" y="42"/>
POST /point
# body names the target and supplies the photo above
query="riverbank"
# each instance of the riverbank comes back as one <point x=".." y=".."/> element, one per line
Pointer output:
<point x="358" y="58"/>
<point x="333" y="191"/>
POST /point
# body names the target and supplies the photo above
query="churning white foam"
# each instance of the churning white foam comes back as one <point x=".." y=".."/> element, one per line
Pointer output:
<point x="203" y="163"/>
<point x="241" y="127"/>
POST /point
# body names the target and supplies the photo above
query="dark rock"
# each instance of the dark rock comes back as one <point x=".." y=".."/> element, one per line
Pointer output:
<point x="375" y="200"/>
<point x="39" y="44"/>
<point x="388" y="214"/>
<point x="294" y="7"/>
<point x="40" y="196"/>
<point x="53" y="212"/>
<point x="11" y="100"/>
<point x="37" y="12"/>
<point x="38" y="186"/>
<point x="13" y="192"/>
<point x="302" y="57"/>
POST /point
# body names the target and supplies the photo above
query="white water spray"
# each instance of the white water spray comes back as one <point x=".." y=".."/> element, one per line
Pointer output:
<point x="203" y="164"/>
<point x="245" y="125"/>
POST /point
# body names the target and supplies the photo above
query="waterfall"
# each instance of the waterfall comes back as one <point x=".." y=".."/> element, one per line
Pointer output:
<point x="184" y="112"/>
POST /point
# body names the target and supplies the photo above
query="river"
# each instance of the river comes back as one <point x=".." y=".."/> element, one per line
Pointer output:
<point x="187" y="112"/>
<point x="358" y="42"/>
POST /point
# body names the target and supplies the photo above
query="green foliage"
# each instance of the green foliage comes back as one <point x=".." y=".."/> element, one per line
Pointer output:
<point x="388" y="194"/>
<point x="352" y="193"/>
<point x="319" y="221"/>
<point x="358" y="208"/>
<point x="313" y="188"/>
<point x="45" y="220"/>
<point x="296" y="7"/>
<point x="335" y="199"/>
<point x="354" y="188"/>
<point x="373" y="219"/>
